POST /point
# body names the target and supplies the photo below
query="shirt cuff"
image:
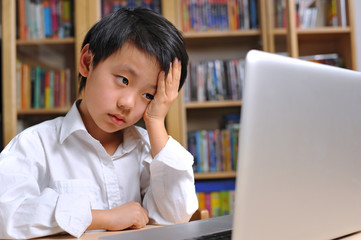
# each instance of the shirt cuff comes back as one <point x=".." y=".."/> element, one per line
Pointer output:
<point x="73" y="213"/>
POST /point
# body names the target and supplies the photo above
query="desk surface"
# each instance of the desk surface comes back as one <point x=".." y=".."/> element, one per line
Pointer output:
<point x="94" y="235"/>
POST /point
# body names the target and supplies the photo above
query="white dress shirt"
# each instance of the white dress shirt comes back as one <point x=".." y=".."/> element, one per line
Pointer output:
<point x="54" y="173"/>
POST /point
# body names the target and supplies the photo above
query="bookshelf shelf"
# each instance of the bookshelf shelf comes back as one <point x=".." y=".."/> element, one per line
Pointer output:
<point x="215" y="175"/>
<point x="325" y="30"/>
<point x="317" y="31"/>
<point x="213" y="104"/>
<point x="222" y="34"/>
<point x="51" y="111"/>
<point x="48" y="41"/>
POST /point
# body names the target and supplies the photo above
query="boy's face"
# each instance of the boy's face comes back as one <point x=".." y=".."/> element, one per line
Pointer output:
<point x="118" y="89"/>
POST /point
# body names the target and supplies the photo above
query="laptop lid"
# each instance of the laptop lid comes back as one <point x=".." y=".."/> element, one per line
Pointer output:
<point x="299" y="170"/>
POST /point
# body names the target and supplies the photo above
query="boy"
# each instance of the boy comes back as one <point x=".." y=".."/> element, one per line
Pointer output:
<point x="93" y="169"/>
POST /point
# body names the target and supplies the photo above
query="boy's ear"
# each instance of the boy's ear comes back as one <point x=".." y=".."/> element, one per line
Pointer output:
<point x="85" y="61"/>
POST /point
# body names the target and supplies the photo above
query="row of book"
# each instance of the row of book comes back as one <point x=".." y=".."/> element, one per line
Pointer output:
<point x="215" y="15"/>
<point x="313" y="13"/>
<point x="217" y="196"/>
<point x="109" y="6"/>
<point x="41" y="88"/>
<point x="217" y="203"/>
<point x="214" y="150"/>
<point x="214" y="80"/>
<point x="39" y="19"/>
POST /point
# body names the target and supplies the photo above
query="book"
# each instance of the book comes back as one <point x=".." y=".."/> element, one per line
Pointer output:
<point x="25" y="88"/>
<point x="215" y="204"/>
<point x="332" y="19"/>
<point x="22" y="27"/>
<point x="224" y="200"/>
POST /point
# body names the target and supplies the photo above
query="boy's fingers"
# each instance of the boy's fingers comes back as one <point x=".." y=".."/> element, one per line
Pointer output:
<point x="161" y="82"/>
<point x="173" y="77"/>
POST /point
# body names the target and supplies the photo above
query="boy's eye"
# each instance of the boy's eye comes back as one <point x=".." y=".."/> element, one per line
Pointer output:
<point x="123" y="80"/>
<point x="148" y="96"/>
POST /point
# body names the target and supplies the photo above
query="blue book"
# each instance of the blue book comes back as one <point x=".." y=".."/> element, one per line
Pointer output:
<point x="37" y="88"/>
<point x="253" y="14"/>
<point x="198" y="152"/>
<point x="47" y="19"/>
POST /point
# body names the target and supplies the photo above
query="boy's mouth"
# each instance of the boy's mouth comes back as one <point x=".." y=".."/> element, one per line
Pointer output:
<point x="118" y="120"/>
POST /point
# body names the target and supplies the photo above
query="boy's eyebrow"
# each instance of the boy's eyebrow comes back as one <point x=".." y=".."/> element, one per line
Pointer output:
<point x="134" y="72"/>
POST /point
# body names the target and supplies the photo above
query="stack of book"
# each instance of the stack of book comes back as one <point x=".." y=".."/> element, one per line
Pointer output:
<point x="215" y="150"/>
<point x="216" y="196"/>
<point x="39" y="19"/>
<point x="331" y="59"/>
<point x="109" y="6"/>
<point x="214" y="80"/>
<point x="313" y="13"/>
<point x="218" y="15"/>
<point x="41" y="88"/>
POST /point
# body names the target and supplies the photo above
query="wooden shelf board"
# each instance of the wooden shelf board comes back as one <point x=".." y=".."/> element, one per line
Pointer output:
<point x="43" y="111"/>
<point x="318" y="31"/>
<point x="324" y="30"/>
<point x="214" y="104"/>
<point x="219" y="34"/>
<point x="46" y="41"/>
<point x="215" y="175"/>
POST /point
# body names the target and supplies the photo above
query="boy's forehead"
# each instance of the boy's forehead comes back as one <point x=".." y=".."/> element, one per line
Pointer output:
<point x="130" y="49"/>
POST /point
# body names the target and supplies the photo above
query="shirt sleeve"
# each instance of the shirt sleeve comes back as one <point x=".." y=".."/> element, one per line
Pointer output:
<point x="28" y="207"/>
<point x="170" y="197"/>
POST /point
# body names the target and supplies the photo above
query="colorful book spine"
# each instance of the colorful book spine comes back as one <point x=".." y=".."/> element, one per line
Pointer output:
<point x="38" y="19"/>
<point x="41" y="88"/>
<point x="215" y="80"/>
<point x="215" y="204"/>
<point x="218" y="203"/>
<point x="109" y="6"/>
<point x="214" y="150"/>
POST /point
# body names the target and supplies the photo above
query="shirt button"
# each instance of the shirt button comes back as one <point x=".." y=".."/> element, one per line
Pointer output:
<point x="114" y="205"/>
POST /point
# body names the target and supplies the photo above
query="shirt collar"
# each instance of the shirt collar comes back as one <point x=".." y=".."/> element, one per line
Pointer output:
<point x="72" y="122"/>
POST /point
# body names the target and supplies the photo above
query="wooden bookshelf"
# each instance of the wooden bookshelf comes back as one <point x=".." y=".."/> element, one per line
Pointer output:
<point x="85" y="14"/>
<point x="297" y="41"/>
<point x="183" y="116"/>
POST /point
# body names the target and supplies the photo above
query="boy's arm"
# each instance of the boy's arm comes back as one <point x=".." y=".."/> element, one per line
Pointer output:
<point x="154" y="115"/>
<point x="170" y="196"/>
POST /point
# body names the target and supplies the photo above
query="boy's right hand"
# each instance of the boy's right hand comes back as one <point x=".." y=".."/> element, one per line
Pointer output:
<point x="128" y="215"/>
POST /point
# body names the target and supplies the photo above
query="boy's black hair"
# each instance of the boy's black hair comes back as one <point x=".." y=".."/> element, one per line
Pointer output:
<point x="147" y="30"/>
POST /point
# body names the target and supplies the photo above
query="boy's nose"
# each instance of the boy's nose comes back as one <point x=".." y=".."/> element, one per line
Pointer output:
<point x="126" y="100"/>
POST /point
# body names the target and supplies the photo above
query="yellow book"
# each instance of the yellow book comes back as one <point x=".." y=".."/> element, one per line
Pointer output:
<point x="201" y="200"/>
<point x="224" y="203"/>
<point x="215" y="204"/>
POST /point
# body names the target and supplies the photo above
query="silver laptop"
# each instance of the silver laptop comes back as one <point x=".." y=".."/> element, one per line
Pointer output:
<point x="299" y="166"/>
<point x="299" y="172"/>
